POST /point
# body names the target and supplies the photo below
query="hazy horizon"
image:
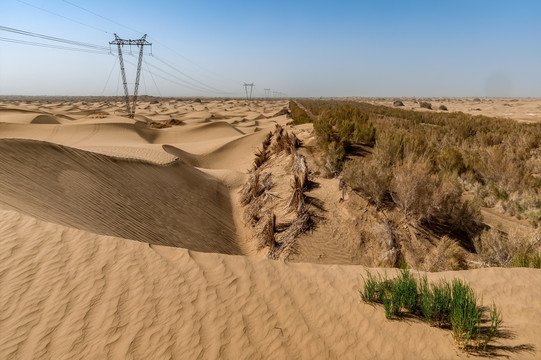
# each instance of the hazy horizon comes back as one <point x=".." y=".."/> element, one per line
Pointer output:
<point x="301" y="49"/>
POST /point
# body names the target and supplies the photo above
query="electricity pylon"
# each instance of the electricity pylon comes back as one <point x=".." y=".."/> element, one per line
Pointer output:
<point x="141" y="43"/>
<point x="267" y="93"/>
<point x="246" y="90"/>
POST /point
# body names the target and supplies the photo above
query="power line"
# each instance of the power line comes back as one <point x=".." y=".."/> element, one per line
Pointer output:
<point x="154" y="80"/>
<point x="100" y="16"/>
<point x="62" y="16"/>
<point x="32" y="43"/>
<point x="52" y="38"/>
<point x="182" y="84"/>
<point x="150" y="37"/>
<point x="109" y="77"/>
<point x="186" y="75"/>
<point x="185" y="82"/>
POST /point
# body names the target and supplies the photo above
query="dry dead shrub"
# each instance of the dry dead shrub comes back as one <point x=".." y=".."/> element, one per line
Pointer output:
<point x="261" y="155"/>
<point x="425" y="105"/>
<point x="265" y="230"/>
<point x="267" y="141"/>
<point x="500" y="166"/>
<point x="300" y="169"/>
<point x="256" y="185"/>
<point x="426" y="197"/>
<point x="494" y="248"/>
<point x="445" y="198"/>
<point x="387" y="235"/>
<point x="412" y="187"/>
<point x="280" y="140"/>
<point x="447" y="255"/>
<point x="286" y="240"/>
<point x="296" y="201"/>
<point x="368" y="177"/>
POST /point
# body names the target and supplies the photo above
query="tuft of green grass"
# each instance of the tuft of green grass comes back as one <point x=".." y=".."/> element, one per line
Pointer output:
<point x="465" y="316"/>
<point x="370" y="294"/>
<point x="442" y="304"/>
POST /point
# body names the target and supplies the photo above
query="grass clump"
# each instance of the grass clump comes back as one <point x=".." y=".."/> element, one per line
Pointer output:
<point x="447" y="305"/>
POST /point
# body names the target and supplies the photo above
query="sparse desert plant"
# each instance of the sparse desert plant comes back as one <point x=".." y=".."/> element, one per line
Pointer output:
<point x="447" y="255"/>
<point x="412" y="188"/>
<point x="398" y="103"/>
<point x="334" y="158"/>
<point x="442" y="304"/>
<point x="256" y="185"/>
<point x="465" y="315"/>
<point x="442" y="107"/>
<point x="370" y="293"/>
<point x="296" y="201"/>
<point x="368" y="177"/>
<point x="425" y="105"/>
<point x="261" y="155"/>
<point x="265" y="230"/>
<point x="435" y="302"/>
<point x="300" y="169"/>
<point x="267" y="141"/>
<point x="494" y="248"/>
<point x="285" y="240"/>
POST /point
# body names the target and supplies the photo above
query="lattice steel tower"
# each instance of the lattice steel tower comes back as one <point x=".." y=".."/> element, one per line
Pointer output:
<point x="141" y="43"/>
<point x="246" y="86"/>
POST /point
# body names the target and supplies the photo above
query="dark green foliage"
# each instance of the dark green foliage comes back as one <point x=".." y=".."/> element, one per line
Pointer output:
<point x="435" y="302"/>
<point x="406" y="287"/>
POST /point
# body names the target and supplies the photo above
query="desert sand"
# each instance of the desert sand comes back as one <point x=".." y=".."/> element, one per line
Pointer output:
<point x="120" y="240"/>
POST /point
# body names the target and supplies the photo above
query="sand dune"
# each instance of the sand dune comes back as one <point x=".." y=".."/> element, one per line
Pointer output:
<point x="71" y="294"/>
<point x="174" y="205"/>
<point x="122" y="241"/>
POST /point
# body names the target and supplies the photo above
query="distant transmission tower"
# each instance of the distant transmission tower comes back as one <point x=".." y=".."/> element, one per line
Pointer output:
<point x="248" y="97"/>
<point x="267" y="93"/>
<point x="141" y="43"/>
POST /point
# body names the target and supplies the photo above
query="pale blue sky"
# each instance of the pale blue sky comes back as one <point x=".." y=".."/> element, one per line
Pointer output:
<point x="299" y="48"/>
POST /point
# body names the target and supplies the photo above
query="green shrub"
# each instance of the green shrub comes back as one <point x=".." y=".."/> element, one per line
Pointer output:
<point x="465" y="315"/>
<point x="443" y="304"/>
<point x="435" y="302"/>
<point x="370" y="292"/>
<point x="298" y="115"/>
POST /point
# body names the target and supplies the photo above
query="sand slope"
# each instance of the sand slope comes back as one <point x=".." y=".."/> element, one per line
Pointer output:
<point x="123" y="299"/>
<point x="174" y="205"/>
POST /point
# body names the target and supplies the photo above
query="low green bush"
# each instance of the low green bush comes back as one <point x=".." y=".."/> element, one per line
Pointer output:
<point x="444" y="304"/>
